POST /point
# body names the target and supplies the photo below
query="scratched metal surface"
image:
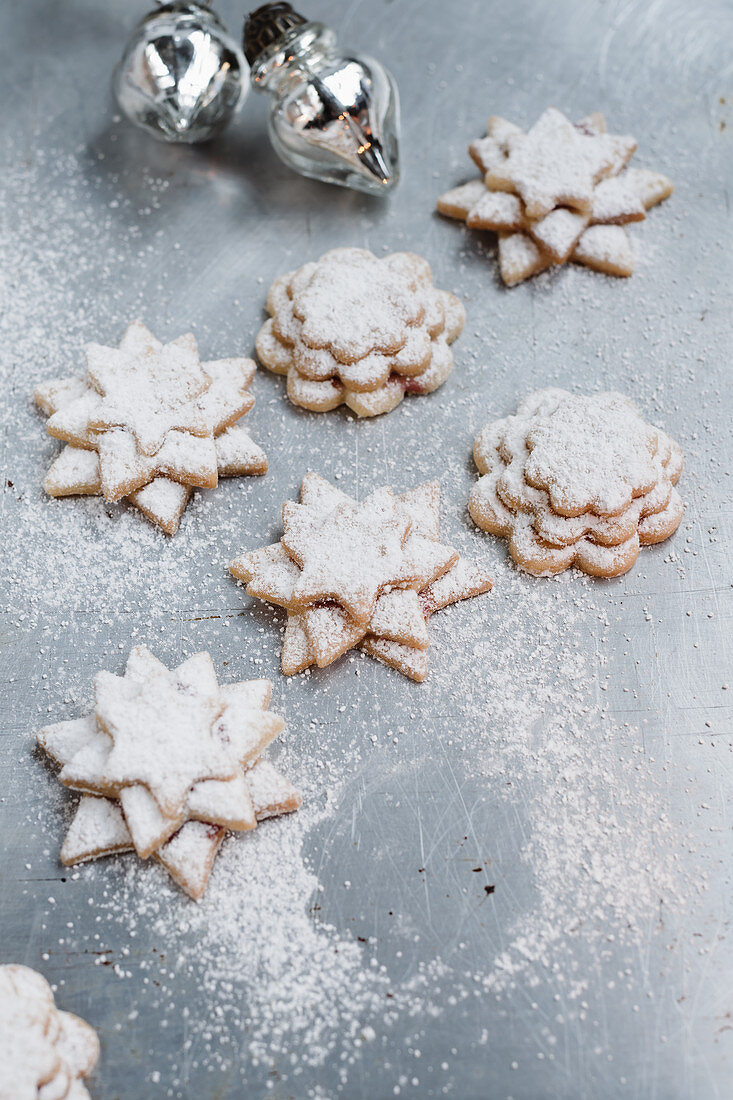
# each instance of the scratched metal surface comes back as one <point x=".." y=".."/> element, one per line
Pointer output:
<point x="231" y="215"/>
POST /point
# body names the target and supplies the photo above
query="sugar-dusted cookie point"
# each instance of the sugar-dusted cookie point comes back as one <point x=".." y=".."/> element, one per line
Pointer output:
<point x="168" y="761"/>
<point x="148" y="423"/>
<point x="46" y="1053"/>
<point x="359" y="575"/>
<point x="560" y="192"/>
<point x="352" y="329"/>
<point x="576" y="480"/>
<point x="605" y="248"/>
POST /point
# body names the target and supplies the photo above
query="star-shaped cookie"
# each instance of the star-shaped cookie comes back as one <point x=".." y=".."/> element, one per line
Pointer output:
<point x="557" y="164"/>
<point x="366" y="575"/>
<point x="560" y="192"/>
<point x="167" y="762"/>
<point x="149" y="423"/>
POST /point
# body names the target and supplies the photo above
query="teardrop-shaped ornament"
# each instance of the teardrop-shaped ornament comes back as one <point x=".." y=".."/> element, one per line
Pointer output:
<point x="333" y="116"/>
<point x="182" y="76"/>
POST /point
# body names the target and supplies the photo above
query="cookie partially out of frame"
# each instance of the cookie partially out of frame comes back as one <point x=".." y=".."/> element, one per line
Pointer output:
<point x="46" y="1053"/>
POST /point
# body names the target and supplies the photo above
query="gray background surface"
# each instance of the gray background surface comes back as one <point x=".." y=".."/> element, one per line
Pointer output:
<point x="408" y="787"/>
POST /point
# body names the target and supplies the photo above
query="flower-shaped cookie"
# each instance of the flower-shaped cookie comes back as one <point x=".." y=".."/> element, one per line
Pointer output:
<point x="576" y="480"/>
<point x="44" y="1053"/>
<point x="356" y="330"/>
<point x="559" y="192"/>
<point x="359" y="574"/>
<point x="167" y="762"/>
<point x="148" y="423"/>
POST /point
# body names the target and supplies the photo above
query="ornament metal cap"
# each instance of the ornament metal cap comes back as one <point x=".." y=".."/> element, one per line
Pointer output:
<point x="334" y="116"/>
<point x="265" y="25"/>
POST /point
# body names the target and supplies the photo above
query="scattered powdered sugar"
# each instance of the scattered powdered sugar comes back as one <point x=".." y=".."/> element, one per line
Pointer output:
<point x="307" y="986"/>
<point x="267" y="973"/>
<point x="271" y="977"/>
<point x="589" y="829"/>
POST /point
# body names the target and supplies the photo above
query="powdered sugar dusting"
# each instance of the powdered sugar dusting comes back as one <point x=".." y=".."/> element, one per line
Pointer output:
<point x="593" y="454"/>
<point x="565" y="756"/>
<point x="355" y="305"/>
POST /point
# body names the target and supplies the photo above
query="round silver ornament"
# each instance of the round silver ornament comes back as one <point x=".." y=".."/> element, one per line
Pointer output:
<point x="182" y="76"/>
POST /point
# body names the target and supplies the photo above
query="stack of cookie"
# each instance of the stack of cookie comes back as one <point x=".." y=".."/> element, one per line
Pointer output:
<point x="556" y="193"/>
<point x="45" y="1052"/>
<point x="167" y="762"/>
<point x="576" y="480"/>
<point x="366" y="575"/>
<point x="356" y="330"/>
<point x="148" y="423"/>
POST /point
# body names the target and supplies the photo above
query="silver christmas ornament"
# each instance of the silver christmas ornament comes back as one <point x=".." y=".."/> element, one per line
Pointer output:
<point x="333" y="116"/>
<point x="182" y="76"/>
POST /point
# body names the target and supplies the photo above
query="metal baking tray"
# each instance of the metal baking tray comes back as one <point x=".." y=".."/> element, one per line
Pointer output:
<point x="508" y="881"/>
